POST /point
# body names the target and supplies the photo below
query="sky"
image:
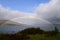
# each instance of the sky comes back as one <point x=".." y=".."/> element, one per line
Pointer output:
<point x="31" y="12"/>
<point x="22" y="5"/>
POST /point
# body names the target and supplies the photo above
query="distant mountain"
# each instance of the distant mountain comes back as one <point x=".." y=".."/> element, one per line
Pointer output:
<point x="9" y="22"/>
<point x="2" y="21"/>
<point x="16" y="26"/>
<point x="8" y="26"/>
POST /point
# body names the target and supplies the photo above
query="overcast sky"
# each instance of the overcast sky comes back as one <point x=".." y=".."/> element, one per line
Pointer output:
<point x="30" y="11"/>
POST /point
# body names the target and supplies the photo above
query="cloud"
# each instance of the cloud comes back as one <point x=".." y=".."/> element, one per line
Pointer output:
<point x="8" y="14"/>
<point x="22" y="17"/>
<point x="49" y="11"/>
<point x="41" y="16"/>
<point x="15" y="15"/>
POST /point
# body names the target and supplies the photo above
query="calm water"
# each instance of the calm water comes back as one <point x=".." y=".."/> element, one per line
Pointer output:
<point x="11" y="29"/>
<point x="14" y="28"/>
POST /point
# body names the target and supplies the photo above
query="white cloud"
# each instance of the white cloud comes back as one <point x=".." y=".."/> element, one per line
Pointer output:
<point x="43" y="12"/>
<point x="10" y="14"/>
<point x="26" y="18"/>
<point x="15" y="15"/>
<point x="49" y="11"/>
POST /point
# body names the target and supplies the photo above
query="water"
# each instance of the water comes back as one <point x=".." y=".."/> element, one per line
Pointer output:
<point x="15" y="28"/>
<point x="11" y="29"/>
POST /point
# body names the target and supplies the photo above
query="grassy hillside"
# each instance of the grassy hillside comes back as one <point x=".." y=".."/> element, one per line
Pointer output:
<point x="32" y="34"/>
<point x="28" y="37"/>
<point x="43" y="37"/>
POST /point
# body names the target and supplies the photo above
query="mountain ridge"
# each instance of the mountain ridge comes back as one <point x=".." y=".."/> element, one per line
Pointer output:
<point x="9" y="22"/>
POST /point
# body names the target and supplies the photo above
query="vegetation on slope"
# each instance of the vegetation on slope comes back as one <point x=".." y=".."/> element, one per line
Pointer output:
<point x="32" y="34"/>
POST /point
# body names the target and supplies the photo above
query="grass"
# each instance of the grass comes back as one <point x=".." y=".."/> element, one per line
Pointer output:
<point x="32" y="37"/>
<point x="5" y="37"/>
<point x="43" y="37"/>
<point x="13" y="37"/>
<point x="32" y="34"/>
